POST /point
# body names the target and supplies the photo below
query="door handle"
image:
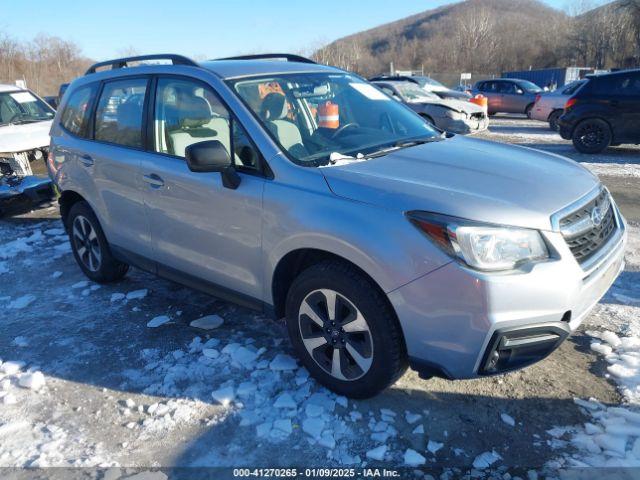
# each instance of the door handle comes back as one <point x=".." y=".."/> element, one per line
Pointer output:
<point x="154" y="180"/>
<point x="86" y="160"/>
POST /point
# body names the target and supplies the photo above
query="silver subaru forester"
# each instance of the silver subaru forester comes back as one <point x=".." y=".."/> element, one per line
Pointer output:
<point x="304" y="191"/>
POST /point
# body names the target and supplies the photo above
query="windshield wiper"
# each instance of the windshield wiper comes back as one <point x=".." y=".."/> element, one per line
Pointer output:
<point x="418" y="141"/>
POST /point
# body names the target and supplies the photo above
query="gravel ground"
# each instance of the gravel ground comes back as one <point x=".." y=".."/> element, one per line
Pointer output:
<point x="102" y="363"/>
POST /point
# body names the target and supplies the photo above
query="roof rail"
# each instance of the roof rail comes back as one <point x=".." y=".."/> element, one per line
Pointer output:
<point x="271" y="56"/>
<point x="122" y="62"/>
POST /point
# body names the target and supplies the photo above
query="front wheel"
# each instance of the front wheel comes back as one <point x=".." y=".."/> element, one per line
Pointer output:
<point x="591" y="136"/>
<point x="344" y="331"/>
<point x="90" y="247"/>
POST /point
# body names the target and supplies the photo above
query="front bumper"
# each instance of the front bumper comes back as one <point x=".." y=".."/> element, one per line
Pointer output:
<point x="455" y="318"/>
<point x="464" y="127"/>
<point x="32" y="188"/>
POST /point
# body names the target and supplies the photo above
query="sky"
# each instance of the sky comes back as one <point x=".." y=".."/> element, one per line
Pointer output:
<point x="202" y="29"/>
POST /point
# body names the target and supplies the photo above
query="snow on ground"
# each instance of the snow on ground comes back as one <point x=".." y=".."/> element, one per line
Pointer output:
<point x="612" y="436"/>
<point x="126" y="373"/>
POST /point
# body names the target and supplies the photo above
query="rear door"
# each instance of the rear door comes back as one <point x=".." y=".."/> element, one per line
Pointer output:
<point x="490" y="90"/>
<point x="617" y="96"/>
<point x="627" y="90"/>
<point x="113" y="159"/>
<point x="201" y="229"/>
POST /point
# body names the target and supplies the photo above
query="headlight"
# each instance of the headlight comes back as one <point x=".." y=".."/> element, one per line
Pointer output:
<point x="483" y="247"/>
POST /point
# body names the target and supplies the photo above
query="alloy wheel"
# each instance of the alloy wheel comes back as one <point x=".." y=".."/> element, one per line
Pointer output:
<point x="591" y="135"/>
<point x="335" y="334"/>
<point x="86" y="244"/>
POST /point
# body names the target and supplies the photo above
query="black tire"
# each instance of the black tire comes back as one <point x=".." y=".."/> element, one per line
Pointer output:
<point x="591" y="136"/>
<point x="553" y="120"/>
<point x="90" y="247"/>
<point x="386" y="354"/>
<point x="527" y="111"/>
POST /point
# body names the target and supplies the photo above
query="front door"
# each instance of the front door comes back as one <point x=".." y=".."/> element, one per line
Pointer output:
<point x="202" y="230"/>
<point x="510" y="100"/>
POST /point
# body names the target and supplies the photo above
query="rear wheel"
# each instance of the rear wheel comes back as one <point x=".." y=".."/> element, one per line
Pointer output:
<point x="591" y="136"/>
<point x="528" y="110"/>
<point x="344" y="331"/>
<point x="90" y="247"/>
<point x="553" y="120"/>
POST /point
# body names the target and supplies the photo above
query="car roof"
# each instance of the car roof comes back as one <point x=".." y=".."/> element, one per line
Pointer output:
<point x="396" y="82"/>
<point x="223" y="68"/>
<point x="246" y="68"/>
<point x="9" y="88"/>
<point x="617" y="72"/>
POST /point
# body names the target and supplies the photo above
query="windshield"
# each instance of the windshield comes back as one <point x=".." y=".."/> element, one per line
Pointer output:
<point x="413" y="93"/>
<point x="429" y="83"/>
<point x="529" y="86"/>
<point x="22" y="107"/>
<point x="573" y="87"/>
<point x="317" y="117"/>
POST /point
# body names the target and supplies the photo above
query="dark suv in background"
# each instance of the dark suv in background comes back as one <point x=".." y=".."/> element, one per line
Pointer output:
<point x="604" y="112"/>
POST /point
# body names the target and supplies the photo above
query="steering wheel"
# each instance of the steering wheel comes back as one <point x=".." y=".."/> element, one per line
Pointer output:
<point x="343" y="128"/>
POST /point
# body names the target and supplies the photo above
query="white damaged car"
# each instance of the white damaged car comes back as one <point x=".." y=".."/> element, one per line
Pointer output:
<point x="456" y="116"/>
<point x="25" y="120"/>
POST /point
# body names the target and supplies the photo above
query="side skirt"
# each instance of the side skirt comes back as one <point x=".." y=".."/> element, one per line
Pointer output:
<point x="177" y="276"/>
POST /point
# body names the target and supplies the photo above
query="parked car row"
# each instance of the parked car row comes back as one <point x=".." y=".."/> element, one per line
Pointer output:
<point x="447" y="114"/>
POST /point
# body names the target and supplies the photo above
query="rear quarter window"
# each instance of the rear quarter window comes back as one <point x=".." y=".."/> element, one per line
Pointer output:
<point x="622" y="84"/>
<point x="75" y="116"/>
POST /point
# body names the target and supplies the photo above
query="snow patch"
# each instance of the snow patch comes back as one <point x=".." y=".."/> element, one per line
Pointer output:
<point x="208" y="322"/>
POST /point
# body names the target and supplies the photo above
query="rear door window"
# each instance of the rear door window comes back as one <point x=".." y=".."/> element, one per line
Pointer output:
<point x="75" y="116"/>
<point x="119" y="115"/>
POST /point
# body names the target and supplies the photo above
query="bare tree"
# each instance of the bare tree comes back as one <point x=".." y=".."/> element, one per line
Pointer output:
<point x="44" y="62"/>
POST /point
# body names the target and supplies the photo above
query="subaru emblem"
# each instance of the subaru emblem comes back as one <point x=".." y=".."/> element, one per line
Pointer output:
<point x="596" y="216"/>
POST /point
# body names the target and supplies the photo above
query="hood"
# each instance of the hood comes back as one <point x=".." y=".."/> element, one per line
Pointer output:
<point x="18" y="138"/>
<point x="460" y="106"/>
<point x="469" y="178"/>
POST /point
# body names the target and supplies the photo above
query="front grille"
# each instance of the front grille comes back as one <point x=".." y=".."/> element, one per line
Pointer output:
<point x="588" y="229"/>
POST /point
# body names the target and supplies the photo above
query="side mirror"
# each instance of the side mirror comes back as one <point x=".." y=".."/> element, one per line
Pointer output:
<point x="519" y="91"/>
<point x="212" y="156"/>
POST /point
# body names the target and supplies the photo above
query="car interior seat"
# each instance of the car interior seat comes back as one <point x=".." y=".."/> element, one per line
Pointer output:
<point x="274" y="112"/>
<point x="195" y="124"/>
